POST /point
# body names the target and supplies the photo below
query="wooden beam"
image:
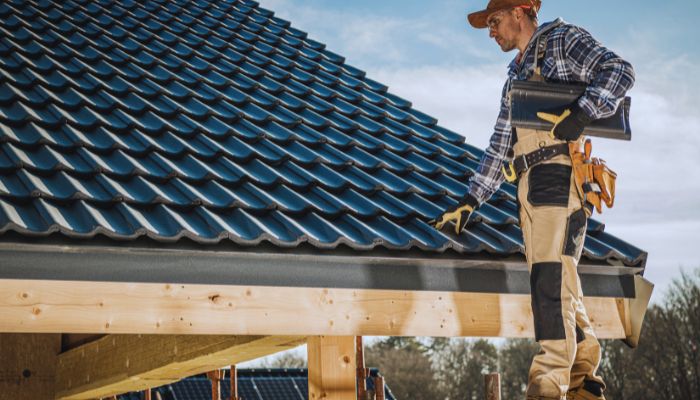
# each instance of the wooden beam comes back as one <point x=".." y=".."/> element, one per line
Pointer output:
<point x="332" y="368"/>
<point x="123" y="363"/>
<point x="107" y="307"/>
<point x="28" y="365"/>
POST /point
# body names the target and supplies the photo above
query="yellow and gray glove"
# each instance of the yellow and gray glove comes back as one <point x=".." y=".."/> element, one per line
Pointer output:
<point x="570" y="124"/>
<point x="458" y="213"/>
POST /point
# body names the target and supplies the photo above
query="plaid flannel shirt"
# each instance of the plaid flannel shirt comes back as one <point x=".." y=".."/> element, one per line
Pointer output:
<point x="571" y="55"/>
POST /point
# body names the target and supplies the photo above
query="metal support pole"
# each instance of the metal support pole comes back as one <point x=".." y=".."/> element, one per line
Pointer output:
<point x="493" y="386"/>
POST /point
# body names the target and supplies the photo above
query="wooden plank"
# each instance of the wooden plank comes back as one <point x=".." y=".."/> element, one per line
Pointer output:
<point x="107" y="307"/>
<point x="123" y="363"/>
<point x="332" y="368"/>
<point x="28" y="365"/>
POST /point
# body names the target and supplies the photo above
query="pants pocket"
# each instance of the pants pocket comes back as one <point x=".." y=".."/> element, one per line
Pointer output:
<point x="549" y="185"/>
<point x="575" y="233"/>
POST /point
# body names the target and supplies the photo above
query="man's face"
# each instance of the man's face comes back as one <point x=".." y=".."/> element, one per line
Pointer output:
<point x="504" y="29"/>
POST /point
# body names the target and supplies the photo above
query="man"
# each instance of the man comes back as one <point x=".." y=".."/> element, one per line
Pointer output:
<point x="553" y="209"/>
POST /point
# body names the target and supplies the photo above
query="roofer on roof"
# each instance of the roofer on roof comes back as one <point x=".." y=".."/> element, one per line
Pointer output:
<point x="553" y="208"/>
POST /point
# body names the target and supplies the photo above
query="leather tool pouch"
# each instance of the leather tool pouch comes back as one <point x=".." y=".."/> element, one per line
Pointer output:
<point x="593" y="177"/>
<point x="605" y="178"/>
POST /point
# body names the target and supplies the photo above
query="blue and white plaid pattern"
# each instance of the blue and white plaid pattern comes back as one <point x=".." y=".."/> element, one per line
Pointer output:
<point x="571" y="55"/>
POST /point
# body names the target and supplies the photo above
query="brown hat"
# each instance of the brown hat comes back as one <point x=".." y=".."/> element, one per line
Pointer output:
<point x="478" y="19"/>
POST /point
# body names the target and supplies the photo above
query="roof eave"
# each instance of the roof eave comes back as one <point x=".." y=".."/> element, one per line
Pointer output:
<point x="167" y="265"/>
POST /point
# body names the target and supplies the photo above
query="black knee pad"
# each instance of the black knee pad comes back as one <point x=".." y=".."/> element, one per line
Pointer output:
<point x="545" y="290"/>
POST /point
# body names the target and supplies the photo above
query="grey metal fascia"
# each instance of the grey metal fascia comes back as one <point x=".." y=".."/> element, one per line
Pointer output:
<point x="153" y="265"/>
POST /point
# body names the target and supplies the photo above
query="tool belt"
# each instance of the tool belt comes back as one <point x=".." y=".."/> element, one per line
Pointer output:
<point x="593" y="177"/>
<point x="522" y="163"/>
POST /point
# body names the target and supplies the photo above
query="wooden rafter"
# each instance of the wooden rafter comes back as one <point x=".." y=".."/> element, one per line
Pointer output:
<point x="117" y="364"/>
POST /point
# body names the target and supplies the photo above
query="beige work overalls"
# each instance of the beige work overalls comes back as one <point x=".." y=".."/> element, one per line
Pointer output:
<point x="553" y="219"/>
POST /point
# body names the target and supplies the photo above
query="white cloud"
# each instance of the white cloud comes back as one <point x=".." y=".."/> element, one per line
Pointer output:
<point x="371" y="41"/>
<point x="463" y="99"/>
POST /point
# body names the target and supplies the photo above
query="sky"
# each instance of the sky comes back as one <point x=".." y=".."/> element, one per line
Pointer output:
<point x="427" y="53"/>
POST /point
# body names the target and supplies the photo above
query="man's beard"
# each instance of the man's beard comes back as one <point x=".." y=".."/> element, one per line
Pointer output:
<point x="506" y="46"/>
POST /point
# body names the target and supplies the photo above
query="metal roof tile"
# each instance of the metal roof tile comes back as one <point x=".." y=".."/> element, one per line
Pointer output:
<point x="214" y="120"/>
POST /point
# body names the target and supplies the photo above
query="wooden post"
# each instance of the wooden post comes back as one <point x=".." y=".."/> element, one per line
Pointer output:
<point x="332" y="368"/>
<point x="362" y="372"/>
<point x="215" y="378"/>
<point x="147" y="394"/>
<point x="493" y="386"/>
<point x="234" y="384"/>
<point x="379" y="387"/>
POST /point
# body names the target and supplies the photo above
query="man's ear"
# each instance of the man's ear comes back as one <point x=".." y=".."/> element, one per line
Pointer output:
<point x="518" y="13"/>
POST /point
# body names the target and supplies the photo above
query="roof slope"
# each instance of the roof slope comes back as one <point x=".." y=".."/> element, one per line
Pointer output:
<point x="216" y="121"/>
<point x="253" y="384"/>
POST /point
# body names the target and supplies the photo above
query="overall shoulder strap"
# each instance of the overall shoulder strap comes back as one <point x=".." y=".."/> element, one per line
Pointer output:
<point x="541" y="46"/>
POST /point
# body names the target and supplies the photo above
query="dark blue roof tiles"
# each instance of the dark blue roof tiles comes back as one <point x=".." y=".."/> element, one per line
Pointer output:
<point x="37" y="159"/>
<point x="423" y="185"/>
<point x="60" y="185"/>
<point x="601" y="245"/>
<point x="22" y="217"/>
<point x="402" y="236"/>
<point x="496" y="216"/>
<point x="320" y="174"/>
<point x="218" y="121"/>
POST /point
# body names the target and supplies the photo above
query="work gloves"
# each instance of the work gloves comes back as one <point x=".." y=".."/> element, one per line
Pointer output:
<point x="568" y="125"/>
<point x="458" y="213"/>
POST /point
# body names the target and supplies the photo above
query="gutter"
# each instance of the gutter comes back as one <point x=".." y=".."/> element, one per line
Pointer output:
<point x="193" y="266"/>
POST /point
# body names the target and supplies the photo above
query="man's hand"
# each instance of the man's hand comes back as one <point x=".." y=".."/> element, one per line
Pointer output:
<point x="568" y="125"/>
<point x="458" y="213"/>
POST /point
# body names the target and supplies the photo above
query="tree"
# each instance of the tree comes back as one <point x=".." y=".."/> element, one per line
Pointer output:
<point x="515" y="357"/>
<point x="460" y="367"/>
<point x="288" y="359"/>
<point x="666" y="365"/>
<point x="405" y="364"/>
